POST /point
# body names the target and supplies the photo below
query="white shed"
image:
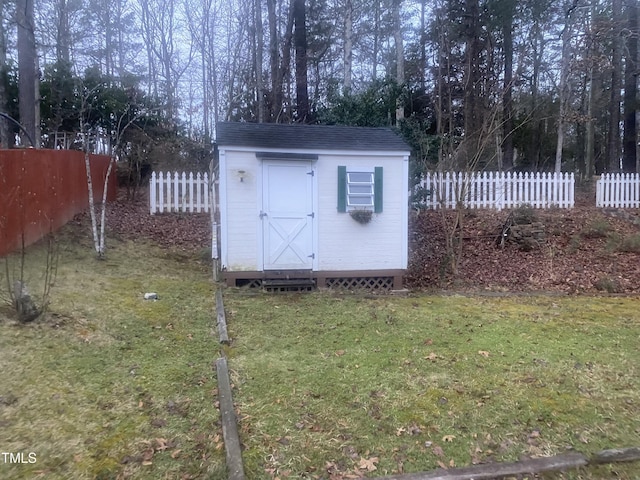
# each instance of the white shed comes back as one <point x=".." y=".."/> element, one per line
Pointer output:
<point x="312" y="204"/>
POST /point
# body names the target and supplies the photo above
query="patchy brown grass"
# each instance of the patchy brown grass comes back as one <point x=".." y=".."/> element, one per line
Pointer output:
<point x="109" y="385"/>
<point x="332" y="386"/>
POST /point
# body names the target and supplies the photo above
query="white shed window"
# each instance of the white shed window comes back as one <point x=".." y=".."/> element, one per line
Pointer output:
<point x="360" y="189"/>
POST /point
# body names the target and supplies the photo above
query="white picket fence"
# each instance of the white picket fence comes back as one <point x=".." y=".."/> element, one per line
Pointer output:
<point x="618" y="190"/>
<point x="179" y="192"/>
<point x="498" y="190"/>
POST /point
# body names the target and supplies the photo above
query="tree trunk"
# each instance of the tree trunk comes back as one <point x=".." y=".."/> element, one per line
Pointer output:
<point x="535" y="153"/>
<point x="119" y="14"/>
<point x="274" y="60"/>
<point x="213" y="77"/>
<point x="630" y="89"/>
<point x="589" y="160"/>
<point x="167" y="53"/>
<point x="27" y="71"/>
<point x="590" y="129"/>
<point x="258" y="60"/>
<point x="5" y="132"/>
<point x="348" y="44"/>
<point x="563" y="87"/>
<point x="206" y="97"/>
<point x="284" y="69"/>
<point x="63" y="37"/>
<point x="507" y="102"/>
<point x="397" y="36"/>
<point x="613" y="142"/>
<point x="376" y="39"/>
<point x="472" y="115"/>
<point x="148" y="39"/>
<point x="300" y="42"/>
<point x="423" y="44"/>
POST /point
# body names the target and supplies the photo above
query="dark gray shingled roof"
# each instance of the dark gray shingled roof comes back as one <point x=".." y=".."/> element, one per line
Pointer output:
<point x="330" y="137"/>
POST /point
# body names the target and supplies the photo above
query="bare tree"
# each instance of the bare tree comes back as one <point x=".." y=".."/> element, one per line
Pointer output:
<point x="63" y="32"/>
<point x="5" y="132"/>
<point x="126" y="120"/>
<point x="300" y="42"/>
<point x="348" y="45"/>
<point x="592" y="92"/>
<point x="472" y="97"/>
<point x="631" y="88"/>
<point x="613" y="147"/>
<point x="159" y="27"/>
<point x="377" y="20"/>
<point x="563" y="86"/>
<point x="201" y="18"/>
<point x="259" y="47"/>
<point x="274" y="58"/>
<point x="29" y="307"/>
<point x="27" y="70"/>
<point x="507" y="95"/>
<point x="397" y="36"/>
<point x="453" y="221"/>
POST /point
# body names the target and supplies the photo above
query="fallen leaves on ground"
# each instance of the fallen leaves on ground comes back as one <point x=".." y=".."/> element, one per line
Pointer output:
<point x="569" y="260"/>
<point x="368" y="464"/>
<point x="189" y="232"/>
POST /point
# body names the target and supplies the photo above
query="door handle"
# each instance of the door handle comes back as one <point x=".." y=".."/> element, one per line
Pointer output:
<point x="263" y="214"/>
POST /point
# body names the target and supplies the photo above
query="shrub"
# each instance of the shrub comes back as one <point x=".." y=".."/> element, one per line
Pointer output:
<point x="598" y="228"/>
<point x="630" y="243"/>
<point x="606" y="284"/>
<point x="614" y="241"/>
<point x="524" y="215"/>
<point x="574" y="243"/>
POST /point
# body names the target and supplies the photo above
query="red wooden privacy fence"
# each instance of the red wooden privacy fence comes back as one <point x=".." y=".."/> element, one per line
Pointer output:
<point x="41" y="190"/>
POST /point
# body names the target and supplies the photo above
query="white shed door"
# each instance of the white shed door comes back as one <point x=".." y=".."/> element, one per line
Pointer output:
<point x="287" y="215"/>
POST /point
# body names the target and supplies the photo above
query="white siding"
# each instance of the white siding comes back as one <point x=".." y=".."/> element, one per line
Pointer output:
<point x="242" y="209"/>
<point x="343" y="243"/>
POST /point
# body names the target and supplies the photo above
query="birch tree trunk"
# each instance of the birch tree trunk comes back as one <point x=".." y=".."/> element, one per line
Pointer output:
<point x="92" y="204"/>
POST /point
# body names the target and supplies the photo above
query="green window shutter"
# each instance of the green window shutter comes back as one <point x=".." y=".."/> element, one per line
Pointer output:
<point x="342" y="189"/>
<point x="377" y="190"/>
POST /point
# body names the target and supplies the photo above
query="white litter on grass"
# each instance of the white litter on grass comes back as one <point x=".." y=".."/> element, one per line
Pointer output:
<point x="151" y="296"/>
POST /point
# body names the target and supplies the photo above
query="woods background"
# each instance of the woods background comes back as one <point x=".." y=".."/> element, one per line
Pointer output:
<point x="501" y="84"/>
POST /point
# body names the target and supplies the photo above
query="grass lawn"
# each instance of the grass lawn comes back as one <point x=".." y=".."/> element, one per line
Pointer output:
<point x="108" y="385"/>
<point x="340" y="386"/>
